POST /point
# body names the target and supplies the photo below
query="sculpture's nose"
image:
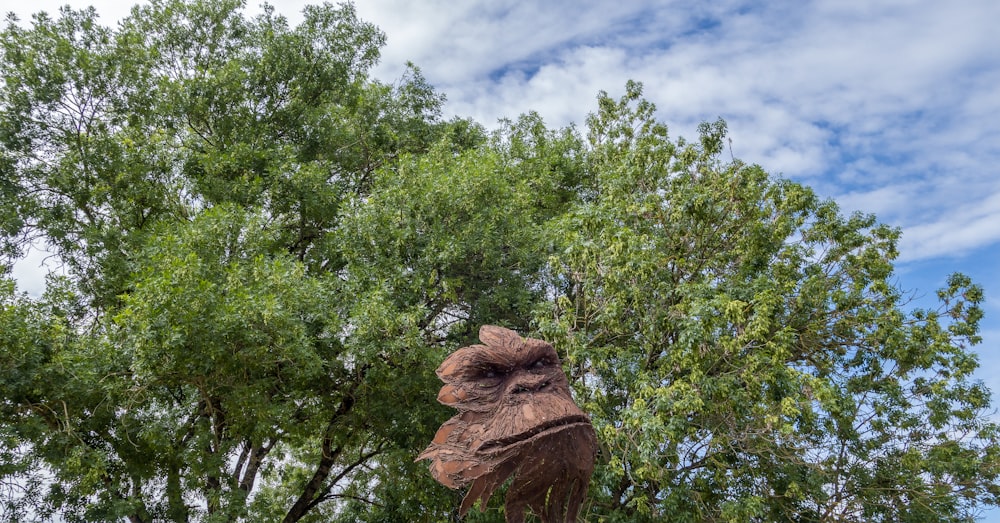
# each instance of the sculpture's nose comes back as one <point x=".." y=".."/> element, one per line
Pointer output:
<point x="530" y="384"/>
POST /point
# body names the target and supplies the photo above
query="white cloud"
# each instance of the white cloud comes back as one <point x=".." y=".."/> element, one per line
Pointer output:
<point x="29" y="272"/>
<point x="563" y="92"/>
<point x="963" y="229"/>
<point x="461" y="42"/>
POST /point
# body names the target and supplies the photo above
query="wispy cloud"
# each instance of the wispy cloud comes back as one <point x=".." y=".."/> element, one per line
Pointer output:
<point x="965" y="228"/>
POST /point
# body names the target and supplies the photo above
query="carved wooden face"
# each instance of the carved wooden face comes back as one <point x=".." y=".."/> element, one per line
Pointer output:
<point x="516" y="417"/>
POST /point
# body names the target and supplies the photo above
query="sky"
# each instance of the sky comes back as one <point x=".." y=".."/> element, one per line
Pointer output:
<point x="889" y="107"/>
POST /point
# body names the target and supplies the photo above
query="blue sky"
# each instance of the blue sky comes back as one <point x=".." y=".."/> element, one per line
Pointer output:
<point x="887" y="106"/>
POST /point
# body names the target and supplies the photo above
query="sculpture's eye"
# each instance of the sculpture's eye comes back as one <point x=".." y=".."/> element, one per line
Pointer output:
<point x="492" y="372"/>
<point x="540" y="362"/>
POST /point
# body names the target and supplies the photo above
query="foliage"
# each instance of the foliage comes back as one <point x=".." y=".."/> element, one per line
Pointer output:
<point x="744" y="352"/>
<point x="268" y="252"/>
<point x="189" y="169"/>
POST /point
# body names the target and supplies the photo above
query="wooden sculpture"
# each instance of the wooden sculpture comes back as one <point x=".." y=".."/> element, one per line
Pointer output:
<point x="516" y="417"/>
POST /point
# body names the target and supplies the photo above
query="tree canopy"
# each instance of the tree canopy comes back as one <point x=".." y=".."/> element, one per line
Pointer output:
<point x="267" y="252"/>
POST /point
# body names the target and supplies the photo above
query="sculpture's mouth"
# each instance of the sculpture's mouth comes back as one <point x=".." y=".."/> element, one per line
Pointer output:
<point x="536" y="432"/>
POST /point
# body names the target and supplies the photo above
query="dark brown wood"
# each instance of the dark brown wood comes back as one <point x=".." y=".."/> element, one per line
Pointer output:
<point x="328" y="457"/>
<point x="516" y="419"/>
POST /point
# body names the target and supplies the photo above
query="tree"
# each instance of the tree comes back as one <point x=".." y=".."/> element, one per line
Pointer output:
<point x="744" y="352"/>
<point x="204" y="359"/>
<point x="267" y="254"/>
